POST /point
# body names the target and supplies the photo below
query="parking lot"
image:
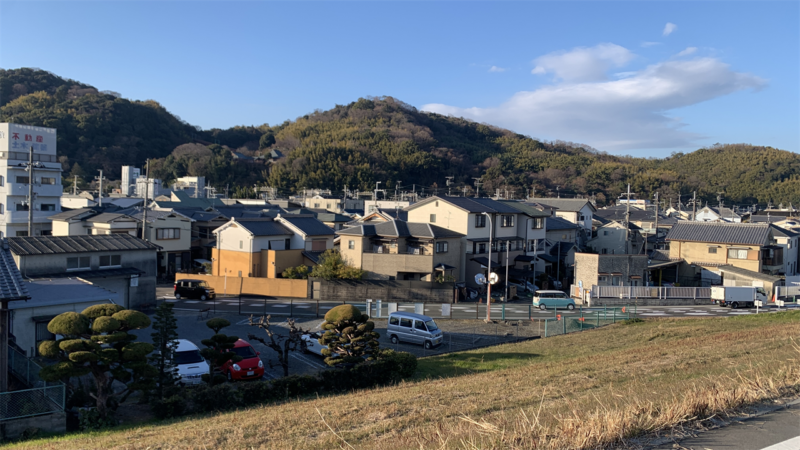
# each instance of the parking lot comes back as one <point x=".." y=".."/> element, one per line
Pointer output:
<point x="458" y="335"/>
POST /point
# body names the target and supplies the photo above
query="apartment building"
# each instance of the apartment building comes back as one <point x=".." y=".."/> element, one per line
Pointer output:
<point x="16" y="142"/>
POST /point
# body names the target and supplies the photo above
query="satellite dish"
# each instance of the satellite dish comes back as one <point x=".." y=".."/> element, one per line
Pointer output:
<point x="480" y="279"/>
<point x="493" y="278"/>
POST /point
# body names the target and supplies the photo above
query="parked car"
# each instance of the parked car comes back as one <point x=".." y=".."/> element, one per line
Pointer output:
<point x="523" y="285"/>
<point x="190" y="363"/>
<point x="194" y="289"/>
<point x="553" y="299"/>
<point x="312" y="343"/>
<point x="413" y="328"/>
<point x="249" y="368"/>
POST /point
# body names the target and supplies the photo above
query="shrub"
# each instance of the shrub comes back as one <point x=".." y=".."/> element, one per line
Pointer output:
<point x="632" y="321"/>
<point x="169" y="407"/>
<point x="219" y="397"/>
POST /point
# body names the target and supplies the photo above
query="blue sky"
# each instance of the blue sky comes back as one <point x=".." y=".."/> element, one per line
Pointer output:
<point x="639" y="78"/>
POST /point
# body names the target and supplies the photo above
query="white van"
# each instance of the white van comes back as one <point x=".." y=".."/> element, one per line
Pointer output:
<point x="413" y="328"/>
<point x="191" y="364"/>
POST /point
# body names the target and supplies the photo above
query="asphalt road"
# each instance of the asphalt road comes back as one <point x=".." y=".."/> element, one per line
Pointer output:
<point x="779" y="430"/>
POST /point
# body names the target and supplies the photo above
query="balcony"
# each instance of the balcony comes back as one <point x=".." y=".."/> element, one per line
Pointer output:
<point x="397" y="263"/>
<point x="41" y="190"/>
<point x="22" y="216"/>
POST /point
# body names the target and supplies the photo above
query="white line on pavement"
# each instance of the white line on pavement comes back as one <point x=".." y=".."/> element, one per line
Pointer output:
<point x="791" y="444"/>
<point x="191" y="301"/>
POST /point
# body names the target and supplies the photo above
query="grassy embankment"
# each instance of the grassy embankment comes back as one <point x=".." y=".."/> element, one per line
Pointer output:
<point x="575" y="391"/>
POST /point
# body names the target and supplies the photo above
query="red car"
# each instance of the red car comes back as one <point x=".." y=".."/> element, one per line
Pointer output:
<point x="249" y="368"/>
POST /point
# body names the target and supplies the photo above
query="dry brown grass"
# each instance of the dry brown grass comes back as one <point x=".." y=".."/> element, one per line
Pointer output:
<point x="578" y="391"/>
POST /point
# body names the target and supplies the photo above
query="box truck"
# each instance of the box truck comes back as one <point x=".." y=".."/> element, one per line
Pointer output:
<point x="735" y="297"/>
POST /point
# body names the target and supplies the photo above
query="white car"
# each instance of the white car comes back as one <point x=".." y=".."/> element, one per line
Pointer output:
<point x="191" y="364"/>
<point x="313" y="345"/>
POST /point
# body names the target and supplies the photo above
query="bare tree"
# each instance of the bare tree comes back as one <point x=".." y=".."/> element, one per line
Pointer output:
<point x="282" y="344"/>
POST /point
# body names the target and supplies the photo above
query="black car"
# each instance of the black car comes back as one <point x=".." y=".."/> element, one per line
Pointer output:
<point x="194" y="289"/>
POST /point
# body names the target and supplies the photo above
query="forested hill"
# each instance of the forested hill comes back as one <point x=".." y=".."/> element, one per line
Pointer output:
<point x="373" y="140"/>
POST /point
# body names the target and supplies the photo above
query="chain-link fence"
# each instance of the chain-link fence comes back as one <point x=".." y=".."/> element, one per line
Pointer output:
<point x="44" y="397"/>
<point x="585" y="320"/>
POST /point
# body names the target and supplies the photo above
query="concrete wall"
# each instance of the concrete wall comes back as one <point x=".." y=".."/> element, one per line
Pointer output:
<point x="273" y="287"/>
<point x="55" y="423"/>
<point x="588" y="268"/>
<point x="64" y="228"/>
<point x="387" y="291"/>
<point x="698" y="252"/>
<point x="32" y="265"/>
<point x="235" y="263"/>
<point x="382" y="266"/>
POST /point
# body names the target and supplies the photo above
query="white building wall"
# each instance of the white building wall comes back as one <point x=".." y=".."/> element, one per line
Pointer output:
<point x="129" y="176"/>
<point x="15" y="143"/>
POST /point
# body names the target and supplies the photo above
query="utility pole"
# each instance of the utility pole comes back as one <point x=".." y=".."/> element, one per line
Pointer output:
<point x="30" y="192"/>
<point x="396" y="185"/>
<point x="375" y="192"/>
<point x="464" y="190"/>
<point x="627" y="220"/>
<point x="508" y="247"/>
<point x="448" y="182"/>
<point x="558" y="193"/>
<point x="100" y="197"/>
<point x="645" y="242"/>
<point x="477" y="187"/>
<point x="74" y="185"/>
<point x="694" y="206"/>
<point x="146" y="196"/>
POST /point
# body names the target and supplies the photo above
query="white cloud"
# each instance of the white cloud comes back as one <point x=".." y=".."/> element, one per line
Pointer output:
<point x="625" y="114"/>
<point x="583" y="63"/>
<point x="497" y="69"/>
<point x="669" y="28"/>
<point x="687" y="51"/>
<point x="649" y="44"/>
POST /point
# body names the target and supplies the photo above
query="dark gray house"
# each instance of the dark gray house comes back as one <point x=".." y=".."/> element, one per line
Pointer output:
<point x="119" y="263"/>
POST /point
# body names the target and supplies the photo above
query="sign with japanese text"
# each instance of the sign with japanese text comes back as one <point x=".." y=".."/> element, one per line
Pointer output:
<point x="20" y="138"/>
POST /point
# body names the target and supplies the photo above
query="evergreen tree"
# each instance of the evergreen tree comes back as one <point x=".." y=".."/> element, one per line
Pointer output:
<point x="218" y="350"/>
<point x="349" y="335"/>
<point x="165" y="341"/>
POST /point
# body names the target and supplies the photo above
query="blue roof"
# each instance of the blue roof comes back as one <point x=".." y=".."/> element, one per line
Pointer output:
<point x="473" y="205"/>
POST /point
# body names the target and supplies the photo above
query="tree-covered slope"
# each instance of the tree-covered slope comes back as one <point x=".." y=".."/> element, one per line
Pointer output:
<point x="377" y="140"/>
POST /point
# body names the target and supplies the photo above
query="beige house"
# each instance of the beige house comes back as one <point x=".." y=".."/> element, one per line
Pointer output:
<point x="514" y="233"/>
<point x="704" y="246"/>
<point x="398" y="250"/>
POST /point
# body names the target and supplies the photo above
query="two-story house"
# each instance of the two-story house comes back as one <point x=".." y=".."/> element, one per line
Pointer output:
<point x="398" y="250"/>
<point x="120" y="263"/>
<point x="265" y="247"/>
<point x="706" y="246"/>
<point x="613" y="239"/>
<point x="578" y="211"/>
<point x="719" y="214"/>
<point x="477" y="219"/>
<point x="788" y="241"/>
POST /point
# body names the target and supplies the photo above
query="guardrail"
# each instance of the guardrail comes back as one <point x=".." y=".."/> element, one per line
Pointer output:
<point x="44" y="397"/>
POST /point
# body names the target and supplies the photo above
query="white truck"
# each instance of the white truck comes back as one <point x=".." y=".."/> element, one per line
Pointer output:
<point x="738" y="296"/>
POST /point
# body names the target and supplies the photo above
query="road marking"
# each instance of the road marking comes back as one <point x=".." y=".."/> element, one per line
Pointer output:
<point x="279" y="306"/>
<point x="308" y="361"/>
<point x="739" y="313"/>
<point x="171" y="301"/>
<point x="791" y="444"/>
<point x="698" y="314"/>
<point x="303" y="307"/>
<point x="191" y="301"/>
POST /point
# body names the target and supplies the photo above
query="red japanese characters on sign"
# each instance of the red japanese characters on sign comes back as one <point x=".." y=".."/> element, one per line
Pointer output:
<point x="28" y="137"/>
<point x="39" y="139"/>
<point x="15" y="136"/>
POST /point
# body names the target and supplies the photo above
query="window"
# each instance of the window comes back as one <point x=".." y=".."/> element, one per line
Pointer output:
<point x="42" y="334"/>
<point x="394" y="320"/>
<point x="287" y="244"/>
<point x="712" y="250"/>
<point x="420" y="325"/>
<point x="22" y="206"/>
<point x="2" y="181"/>
<point x="241" y="244"/>
<point x="351" y="245"/>
<point x="168" y="233"/>
<point x="78" y="263"/>
<point x="480" y="221"/>
<point x="563" y="236"/>
<point x="22" y="233"/>
<point x="441" y="247"/>
<point x="537" y="223"/>
<point x="48" y="180"/>
<point x="502" y="246"/>
<point x="433" y="218"/>
<point x="316" y="205"/>
<point x="2" y="209"/>
<point x="23" y="180"/>
<point x="734" y="253"/>
<point x="481" y="248"/>
<point x="405" y="322"/>
<point x="328" y="206"/>
<point x="605" y="232"/>
<point x="48" y="207"/>
<point x="110" y="260"/>
<point x="507" y="221"/>
<point x="604" y="251"/>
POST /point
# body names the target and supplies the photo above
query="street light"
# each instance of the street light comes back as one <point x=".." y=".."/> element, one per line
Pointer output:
<point x="489" y="274"/>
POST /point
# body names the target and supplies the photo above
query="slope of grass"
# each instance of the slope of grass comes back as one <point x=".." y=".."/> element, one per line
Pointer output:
<point x="575" y="391"/>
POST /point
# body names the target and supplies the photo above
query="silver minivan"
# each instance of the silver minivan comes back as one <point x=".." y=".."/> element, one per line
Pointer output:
<point x="413" y="328"/>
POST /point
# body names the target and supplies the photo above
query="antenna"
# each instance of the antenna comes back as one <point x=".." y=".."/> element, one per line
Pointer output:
<point x="477" y="187"/>
<point x="448" y="182"/>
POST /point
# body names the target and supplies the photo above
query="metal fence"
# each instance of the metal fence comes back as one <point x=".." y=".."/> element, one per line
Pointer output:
<point x="44" y="397"/>
<point x="788" y="292"/>
<point x="659" y="292"/>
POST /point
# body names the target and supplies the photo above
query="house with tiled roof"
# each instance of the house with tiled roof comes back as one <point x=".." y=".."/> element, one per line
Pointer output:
<point x="399" y="250"/>
<point x="717" y="214"/>
<point x="709" y="245"/>
<point x="514" y="233"/>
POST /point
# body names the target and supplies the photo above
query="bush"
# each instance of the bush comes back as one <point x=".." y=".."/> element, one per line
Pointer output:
<point x="632" y="321"/>
<point x="219" y="397"/>
<point x="405" y="363"/>
<point x="90" y="419"/>
<point x="170" y="407"/>
<point x="258" y="392"/>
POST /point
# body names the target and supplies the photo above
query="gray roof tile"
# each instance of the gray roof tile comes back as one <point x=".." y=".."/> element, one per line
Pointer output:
<point x="49" y="245"/>
<point x="562" y="204"/>
<point x="720" y="233"/>
<point x="310" y="226"/>
<point x="11" y="285"/>
<point x="264" y="227"/>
